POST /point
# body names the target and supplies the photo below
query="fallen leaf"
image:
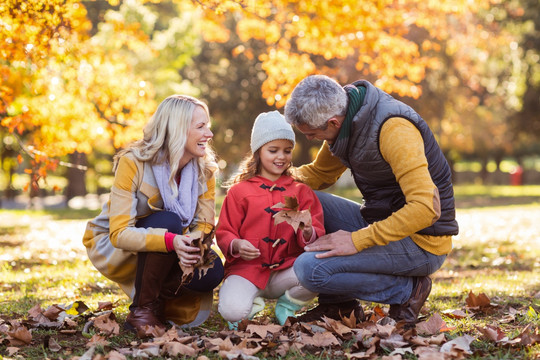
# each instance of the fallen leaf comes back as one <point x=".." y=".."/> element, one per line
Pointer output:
<point x="461" y="344"/>
<point x="70" y="323"/>
<point x="457" y="314"/>
<point x="358" y="355"/>
<point x="19" y="335"/>
<point x="527" y="337"/>
<point x="89" y="353"/>
<point x="105" y="305"/>
<point x="432" y="326"/>
<point x="428" y="353"/>
<point x="394" y="341"/>
<point x="480" y="301"/>
<point x="337" y="326"/>
<point x="151" y="351"/>
<point x="263" y="330"/>
<point x="12" y="350"/>
<point x="391" y="357"/>
<point x="107" y="324"/>
<point x="492" y="333"/>
<point x="53" y="345"/>
<point x="174" y="348"/>
<point x="438" y="339"/>
<point x="52" y="312"/>
<point x="97" y="340"/>
<point x="36" y="314"/>
<point x="115" y="355"/>
<point x="321" y="340"/>
<point x="77" y="308"/>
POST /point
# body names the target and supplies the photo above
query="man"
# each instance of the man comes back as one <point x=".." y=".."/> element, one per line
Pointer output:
<point x="385" y="249"/>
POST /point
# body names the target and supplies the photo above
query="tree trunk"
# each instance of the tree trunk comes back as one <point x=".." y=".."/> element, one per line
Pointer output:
<point x="76" y="177"/>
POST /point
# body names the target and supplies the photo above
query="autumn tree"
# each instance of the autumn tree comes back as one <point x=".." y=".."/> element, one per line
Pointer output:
<point x="70" y="88"/>
<point x="456" y="51"/>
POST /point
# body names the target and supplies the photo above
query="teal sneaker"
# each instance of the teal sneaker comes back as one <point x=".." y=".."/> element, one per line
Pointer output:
<point x="287" y="306"/>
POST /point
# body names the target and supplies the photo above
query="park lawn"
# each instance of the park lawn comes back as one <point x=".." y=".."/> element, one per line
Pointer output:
<point x="42" y="262"/>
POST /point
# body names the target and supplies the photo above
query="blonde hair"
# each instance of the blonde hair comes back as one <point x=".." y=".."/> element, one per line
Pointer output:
<point x="165" y="137"/>
<point x="251" y="167"/>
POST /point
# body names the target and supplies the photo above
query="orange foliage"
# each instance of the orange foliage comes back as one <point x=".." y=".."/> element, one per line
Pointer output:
<point x="64" y="91"/>
<point x="386" y="39"/>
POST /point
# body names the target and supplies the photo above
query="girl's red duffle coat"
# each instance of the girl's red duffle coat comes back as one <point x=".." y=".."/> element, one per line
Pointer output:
<point x="247" y="214"/>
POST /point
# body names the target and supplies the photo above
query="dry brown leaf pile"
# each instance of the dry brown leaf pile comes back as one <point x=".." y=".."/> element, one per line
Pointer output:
<point x="348" y="338"/>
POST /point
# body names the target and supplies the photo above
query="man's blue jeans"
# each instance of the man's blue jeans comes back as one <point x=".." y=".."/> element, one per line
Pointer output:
<point x="382" y="274"/>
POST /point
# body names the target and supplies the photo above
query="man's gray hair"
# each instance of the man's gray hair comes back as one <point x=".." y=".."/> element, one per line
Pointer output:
<point x="314" y="101"/>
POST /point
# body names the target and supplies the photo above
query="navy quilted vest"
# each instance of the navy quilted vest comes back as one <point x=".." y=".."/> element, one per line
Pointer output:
<point x="373" y="175"/>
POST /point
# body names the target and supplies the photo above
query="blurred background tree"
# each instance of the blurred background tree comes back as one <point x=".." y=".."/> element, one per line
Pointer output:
<point x="80" y="79"/>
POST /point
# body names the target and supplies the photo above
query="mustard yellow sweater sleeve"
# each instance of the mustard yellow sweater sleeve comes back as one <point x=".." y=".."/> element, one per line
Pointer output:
<point x="402" y="147"/>
<point x="323" y="172"/>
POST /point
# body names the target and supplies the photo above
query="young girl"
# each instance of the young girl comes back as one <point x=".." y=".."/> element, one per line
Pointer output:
<point x="259" y="254"/>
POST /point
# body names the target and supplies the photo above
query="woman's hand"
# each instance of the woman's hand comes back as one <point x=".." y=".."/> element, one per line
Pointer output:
<point x="245" y="249"/>
<point x="188" y="255"/>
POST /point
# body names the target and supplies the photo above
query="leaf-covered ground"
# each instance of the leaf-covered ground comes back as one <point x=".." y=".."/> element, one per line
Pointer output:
<point x="485" y="303"/>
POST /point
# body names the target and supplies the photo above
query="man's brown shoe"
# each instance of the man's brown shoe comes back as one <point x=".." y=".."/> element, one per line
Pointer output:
<point x="409" y="311"/>
<point x="334" y="311"/>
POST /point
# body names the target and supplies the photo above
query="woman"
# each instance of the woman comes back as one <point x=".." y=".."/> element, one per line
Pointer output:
<point x="164" y="189"/>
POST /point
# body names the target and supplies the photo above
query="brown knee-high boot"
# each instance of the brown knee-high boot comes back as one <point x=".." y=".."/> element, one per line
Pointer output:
<point x="152" y="270"/>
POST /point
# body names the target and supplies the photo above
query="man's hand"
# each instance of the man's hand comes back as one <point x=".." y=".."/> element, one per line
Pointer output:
<point x="338" y="244"/>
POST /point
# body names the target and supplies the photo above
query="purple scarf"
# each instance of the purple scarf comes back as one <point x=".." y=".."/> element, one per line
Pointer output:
<point x="185" y="203"/>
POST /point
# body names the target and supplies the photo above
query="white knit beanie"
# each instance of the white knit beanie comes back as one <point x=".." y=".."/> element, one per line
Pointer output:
<point x="270" y="126"/>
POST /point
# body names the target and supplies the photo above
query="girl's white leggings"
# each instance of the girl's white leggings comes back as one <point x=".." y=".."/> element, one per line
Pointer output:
<point x="237" y="293"/>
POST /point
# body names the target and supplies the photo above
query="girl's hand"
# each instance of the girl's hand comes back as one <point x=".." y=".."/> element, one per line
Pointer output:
<point x="245" y="249"/>
<point x="187" y="254"/>
<point x="308" y="230"/>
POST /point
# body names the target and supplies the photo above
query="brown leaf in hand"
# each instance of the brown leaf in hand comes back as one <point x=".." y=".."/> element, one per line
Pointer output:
<point x="297" y="219"/>
<point x="291" y="203"/>
<point x="204" y="243"/>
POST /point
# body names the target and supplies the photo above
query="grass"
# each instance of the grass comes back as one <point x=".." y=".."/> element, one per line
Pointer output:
<point x="42" y="261"/>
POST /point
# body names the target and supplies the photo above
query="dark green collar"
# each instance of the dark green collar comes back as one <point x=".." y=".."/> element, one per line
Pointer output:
<point x="356" y="98"/>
